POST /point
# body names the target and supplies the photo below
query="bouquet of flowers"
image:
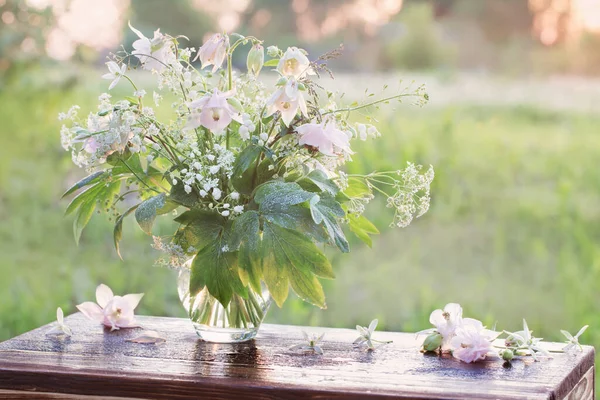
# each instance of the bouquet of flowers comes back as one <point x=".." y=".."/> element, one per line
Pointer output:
<point x="251" y="172"/>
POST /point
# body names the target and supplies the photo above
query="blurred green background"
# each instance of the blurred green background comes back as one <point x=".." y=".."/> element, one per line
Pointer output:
<point x="512" y="130"/>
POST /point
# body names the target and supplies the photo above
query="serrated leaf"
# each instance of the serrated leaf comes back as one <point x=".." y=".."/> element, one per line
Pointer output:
<point x="88" y="180"/>
<point x="281" y="193"/>
<point x="289" y="256"/>
<point x="362" y="228"/>
<point x="218" y="271"/>
<point x="326" y="210"/>
<point x="200" y="227"/>
<point x="83" y="216"/>
<point x="296" y="217"/>
<point x="244" y="226"/>
<point x="320" y="181"/>
<point x="272" y="62"/>
<point x="245" y="235"/>
<point x="146" y="212"/>
<point x="118" y="231"/>
<point x="246" y="159"/>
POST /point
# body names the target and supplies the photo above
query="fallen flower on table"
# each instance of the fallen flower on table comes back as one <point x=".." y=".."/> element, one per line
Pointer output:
<point x="312" y="345"/>
<point x="148" y="337"/>
<point x="365" y="339"/>
<point x="60" y="329"/>
<point x="471" y="341"/>
<point x="523" y="342"/>
<point x="112" y="311"/>
<point x="573" y="341"/>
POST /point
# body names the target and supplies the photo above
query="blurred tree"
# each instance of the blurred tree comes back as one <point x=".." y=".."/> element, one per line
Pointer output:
<point x="22" y="38"/>
<point x="173" y="17"/>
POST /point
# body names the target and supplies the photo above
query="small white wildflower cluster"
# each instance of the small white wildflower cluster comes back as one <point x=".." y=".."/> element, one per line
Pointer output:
<point x="412" y="196"/>
<point x="176" y="257"/>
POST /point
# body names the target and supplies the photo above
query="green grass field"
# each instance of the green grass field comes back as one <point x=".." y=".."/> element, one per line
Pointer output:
<point x="512" y="232"/>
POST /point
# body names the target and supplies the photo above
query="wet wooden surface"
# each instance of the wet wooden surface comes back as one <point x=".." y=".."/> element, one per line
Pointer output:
<point x="95" y="362"/>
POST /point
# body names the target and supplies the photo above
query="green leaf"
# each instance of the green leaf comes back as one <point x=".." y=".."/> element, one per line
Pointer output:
<point x="146" y="212"/>
<point x="218" y="271"/>
<point x="357" y="188"/>
<point x="88" y="180"/>
<point x="272" y="62"/>
<point x="291" y="256"/>
<point x="167" y="208"/>
<point x="296" y="217"/>
<point x="181" y="197"/>
<point x="83" y="216"/>
<point x="362" y="228"/>
<point x="201" y="227"/>
<point x="245" y="235"/>
<point x="281" y="193"/>
<point x="246" y="183"/>
<point x="89" y="194"/>
<point x="245" y="159"/>
<point x="325" y="209"/>
<point x="317" y="181"/>
<point x="118" y="231"/>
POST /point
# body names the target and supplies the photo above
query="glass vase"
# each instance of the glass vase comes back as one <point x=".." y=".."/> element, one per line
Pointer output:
<point x="238" y="322"/>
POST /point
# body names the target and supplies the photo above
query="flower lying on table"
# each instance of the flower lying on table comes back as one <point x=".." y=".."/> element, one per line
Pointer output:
<point x="312" y="344"/>
<point x="112" y="311"/>
<point x="365" y="339"/>
<point x="59" y="330"/>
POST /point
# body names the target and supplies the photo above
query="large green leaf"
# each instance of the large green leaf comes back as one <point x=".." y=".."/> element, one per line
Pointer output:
<point x="297" y="217"/>
<point x="289" y="256"/>
<point x="146" y="212"/>
<point x="326" y="210"/>
<point x="89" y="194"/>
<point x="83" y="216"/>
<point x="118" y="231"/>
<point x="217" y="269"/>
<point x="88" y="180"/>
<point x="245" y="159"/>
<point x="317" y="181"/>
<point x="362" y="228"/>
<point x="180" y="196"/>
<point x="199" y="228"/>
<point x="282" y="194"/>
<point x="246" y="236"/>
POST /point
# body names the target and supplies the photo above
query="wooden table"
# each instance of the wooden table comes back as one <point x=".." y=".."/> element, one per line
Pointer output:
<point x="95" y="363"/>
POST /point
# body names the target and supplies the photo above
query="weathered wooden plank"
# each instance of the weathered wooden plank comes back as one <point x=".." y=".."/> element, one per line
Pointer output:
<point x="95" y="361"/>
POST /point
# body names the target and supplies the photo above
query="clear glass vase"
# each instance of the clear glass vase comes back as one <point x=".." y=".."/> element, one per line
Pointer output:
<point x="238" y="322"/>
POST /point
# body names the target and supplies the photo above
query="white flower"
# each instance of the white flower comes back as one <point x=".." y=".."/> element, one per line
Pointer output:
<point x="244" y="132"/>
<point x="573" y="341"/>
<point x="157" y="98"/>
<point x="112" y="311"/>
<point x="216" y="193"/>
<point x="365" y="339"/>
<point x="447" y="320"/>
<point x="325" y="137"/>
<point x="115" y="73"/>
<point x="154" y="54"/>
<point x="216" y="113"/>
<point x="238" y="209"/>
<point x="60" y="329"/>
<point x="188" y="189"/>
<point x="472" y="342"/>
<point x="214" y="169"/>
<point x="139" y="93"/>
<point x="294" y="63"/>
<point x="214" y="51"/>
<point x="235" y="195"/>
<point x="287" y="100"/>
<point x="312" y="344"/>
<point x="225" y="213"/>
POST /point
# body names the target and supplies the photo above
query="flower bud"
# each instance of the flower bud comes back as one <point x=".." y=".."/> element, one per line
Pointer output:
<point x="273" y="51"/>
<point x="282" y="81"/>
<point x="432" y="342"/>
<point x="507" y="354"/>
<point x="256" y="59"/>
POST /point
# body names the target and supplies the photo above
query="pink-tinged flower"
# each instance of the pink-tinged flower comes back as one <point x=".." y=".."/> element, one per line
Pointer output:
<point x="294" y="63"/>
<point x="154" y="54"/>
<point x="325" y="137"/>
<point x="112" y="311"/>
<point x="115" y="73"/>
<point x="214" y="51"/>
<point x="472" y="342"/>
<point x="446" y="321"/>
<point x="287" y="100"/>
<point x="216" y="112"/>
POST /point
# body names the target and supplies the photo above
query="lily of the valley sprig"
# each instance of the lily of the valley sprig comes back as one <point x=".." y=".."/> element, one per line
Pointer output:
<point x="365" y="340"/>
<point x="60" y="329"/>
<point x="311" y="344"/>
<point x="112" y="311"/>
<point x="261" y="165"/>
